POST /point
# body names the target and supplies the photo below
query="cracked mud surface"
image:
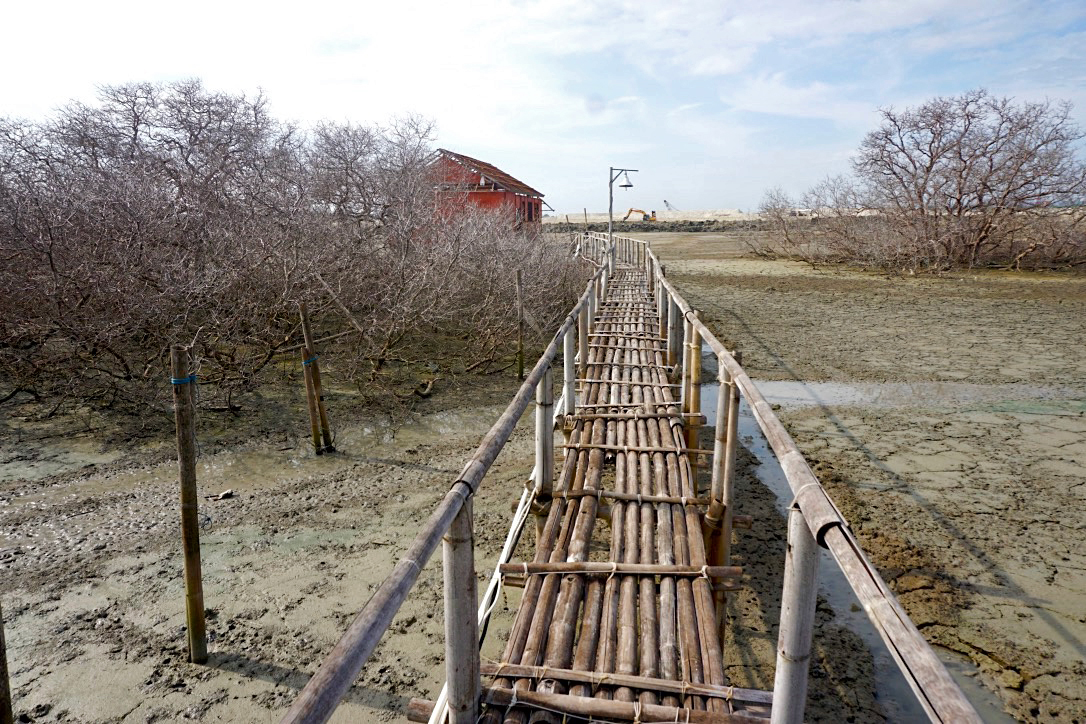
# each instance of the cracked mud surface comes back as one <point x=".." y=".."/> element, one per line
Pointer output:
<point x="967" y="494"/>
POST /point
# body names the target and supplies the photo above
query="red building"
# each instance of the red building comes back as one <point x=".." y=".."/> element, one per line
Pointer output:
<point x="461" y="179"/>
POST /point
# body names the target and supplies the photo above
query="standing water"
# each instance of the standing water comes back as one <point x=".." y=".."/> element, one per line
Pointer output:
<point x="897" y="699"/>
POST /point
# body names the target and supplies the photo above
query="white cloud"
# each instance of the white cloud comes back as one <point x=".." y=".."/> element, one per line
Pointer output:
<point x="560" y="88"/>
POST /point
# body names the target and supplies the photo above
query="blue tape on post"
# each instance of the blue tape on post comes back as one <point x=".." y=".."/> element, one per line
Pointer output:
<point x="182" y="380"/>
<point x="310" y="361"/>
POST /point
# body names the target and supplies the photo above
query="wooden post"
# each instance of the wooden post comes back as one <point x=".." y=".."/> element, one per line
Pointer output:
<point x="569" y="374"/>
<point x="315" y="375"/>
<point x="694" y="383"/>
<point x="661" y="303"/>
<point x="7" y="714"/>
<point x="671" y="331"/>
<point x="311" y="401"/>
<point x="183" y="385"/>
<point x="544" y="448"/>
<point x="797" y="621"/>
<point x="684" y="391"/>
<point x="544" y="434"/>
<point x="461" y="626"/>
<point x="582" y="341"/>
<point x="520" y="328"/>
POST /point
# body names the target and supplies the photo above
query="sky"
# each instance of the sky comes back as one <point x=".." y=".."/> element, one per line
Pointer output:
<point x="713" y="102"/>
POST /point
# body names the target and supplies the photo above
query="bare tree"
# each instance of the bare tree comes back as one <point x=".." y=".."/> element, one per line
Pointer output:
<point x="167" y="213"/>
<point x="956" y="182"/>
<point x="969" y="179"/>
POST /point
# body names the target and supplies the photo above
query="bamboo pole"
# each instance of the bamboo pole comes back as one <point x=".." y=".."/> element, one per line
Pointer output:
<point x="569" y="375"/>
<point x="315" y="372"/>
<point x="183" y="384"/>
<point x="461" y="626"/>
<point x="684" y="389"/>
<point x="693" y="406"/>
<point x="7" y="715"/>
<point x="582" y="343"/>
<point x="544" y="434"/>
<point x="797" y="621"/>
<point x="520" y="327"/>
<point x="311" y="402"/>
<point x="318" y="700"/>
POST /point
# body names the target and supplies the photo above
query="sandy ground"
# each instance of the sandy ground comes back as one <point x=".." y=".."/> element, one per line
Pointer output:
<point x="951" y="427"/>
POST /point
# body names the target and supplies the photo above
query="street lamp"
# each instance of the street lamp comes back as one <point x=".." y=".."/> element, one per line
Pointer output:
<point x="614" y="174"/>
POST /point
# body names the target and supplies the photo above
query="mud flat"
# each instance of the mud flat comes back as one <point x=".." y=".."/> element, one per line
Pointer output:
<point x="947" y="416"/>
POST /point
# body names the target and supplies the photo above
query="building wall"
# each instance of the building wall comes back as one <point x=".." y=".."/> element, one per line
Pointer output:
<point x="527" y="209"/>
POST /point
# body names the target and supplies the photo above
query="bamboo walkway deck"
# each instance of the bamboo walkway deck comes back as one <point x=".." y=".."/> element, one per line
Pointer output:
<point x="635" y="633"/>
<point x="627" y="630"/>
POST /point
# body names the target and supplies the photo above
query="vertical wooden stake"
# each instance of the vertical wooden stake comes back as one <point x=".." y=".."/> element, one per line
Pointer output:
<point x="672" y="333"/>
<point x="7" y="713"/>
<point x="183" y="385"/>
<point x="797" y="622"/>
<point x="520" y="327"/>
<point x="731" y="447"/>
<point x="315" y="375"/>
<point x="311" y="401"/>
<point x="684" y="391"/>
<point x="544" y="445"/>
<point x="694" y="377"/>
<point x="461" y="625"/>
<point x="582" y="342"/>
<point x="569" y="373"/>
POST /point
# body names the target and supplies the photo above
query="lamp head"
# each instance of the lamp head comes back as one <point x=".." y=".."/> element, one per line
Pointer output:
<point x="626" y="184"/>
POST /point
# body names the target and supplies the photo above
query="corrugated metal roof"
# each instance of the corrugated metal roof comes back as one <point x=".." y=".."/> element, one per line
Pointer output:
<point x="492" y="173"/>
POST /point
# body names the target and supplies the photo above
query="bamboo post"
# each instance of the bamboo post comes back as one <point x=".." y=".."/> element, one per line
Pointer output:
<point x="671" y="331"/>
<point x="520" y="327"/>
<point x="7" y="715"/>
<point x="183" y="384"/>
<point x="684" y="391"/>
<point x="544" y="434"/>
<point x="544" y="447"/>
<point x="694" y="384"/>
<point x="582" y="340"/>
<point x="311" y="401"/>
<point x="461" y="626"/>
<point x="569" y="375"/>
<point x="315" y="375"/>
<point x="797" y="621"/>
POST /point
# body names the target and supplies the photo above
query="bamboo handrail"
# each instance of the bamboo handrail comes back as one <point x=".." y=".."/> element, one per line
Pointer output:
<point x="321" y="695"/>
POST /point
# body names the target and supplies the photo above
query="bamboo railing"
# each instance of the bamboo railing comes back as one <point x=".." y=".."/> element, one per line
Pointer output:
<point x="322" y="694"/>
<point x="813" y="521"/>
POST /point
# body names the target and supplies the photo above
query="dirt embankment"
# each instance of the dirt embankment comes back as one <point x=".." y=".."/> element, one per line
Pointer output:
<point x="967" y="489"/>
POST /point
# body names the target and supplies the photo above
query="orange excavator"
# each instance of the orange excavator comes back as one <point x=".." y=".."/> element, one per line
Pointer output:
<point x="644" y="216"/>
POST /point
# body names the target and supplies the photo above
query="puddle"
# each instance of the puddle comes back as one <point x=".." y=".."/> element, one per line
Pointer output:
<point x="897" y="699"/>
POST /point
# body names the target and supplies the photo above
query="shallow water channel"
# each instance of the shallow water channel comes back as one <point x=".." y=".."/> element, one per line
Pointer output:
<point x="898" y="701"/>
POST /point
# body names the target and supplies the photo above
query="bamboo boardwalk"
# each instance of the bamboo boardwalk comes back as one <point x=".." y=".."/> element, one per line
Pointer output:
<point x="635" y="626"/>
<point x="621" y="620"/>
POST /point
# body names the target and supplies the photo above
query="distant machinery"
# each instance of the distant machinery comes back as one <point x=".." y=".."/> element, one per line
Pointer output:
<point x="668" y="206"/>
<point x="644" y="216"/>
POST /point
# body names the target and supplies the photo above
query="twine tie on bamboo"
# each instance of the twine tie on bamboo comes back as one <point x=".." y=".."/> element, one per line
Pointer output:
<point x="794" y="505"/>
